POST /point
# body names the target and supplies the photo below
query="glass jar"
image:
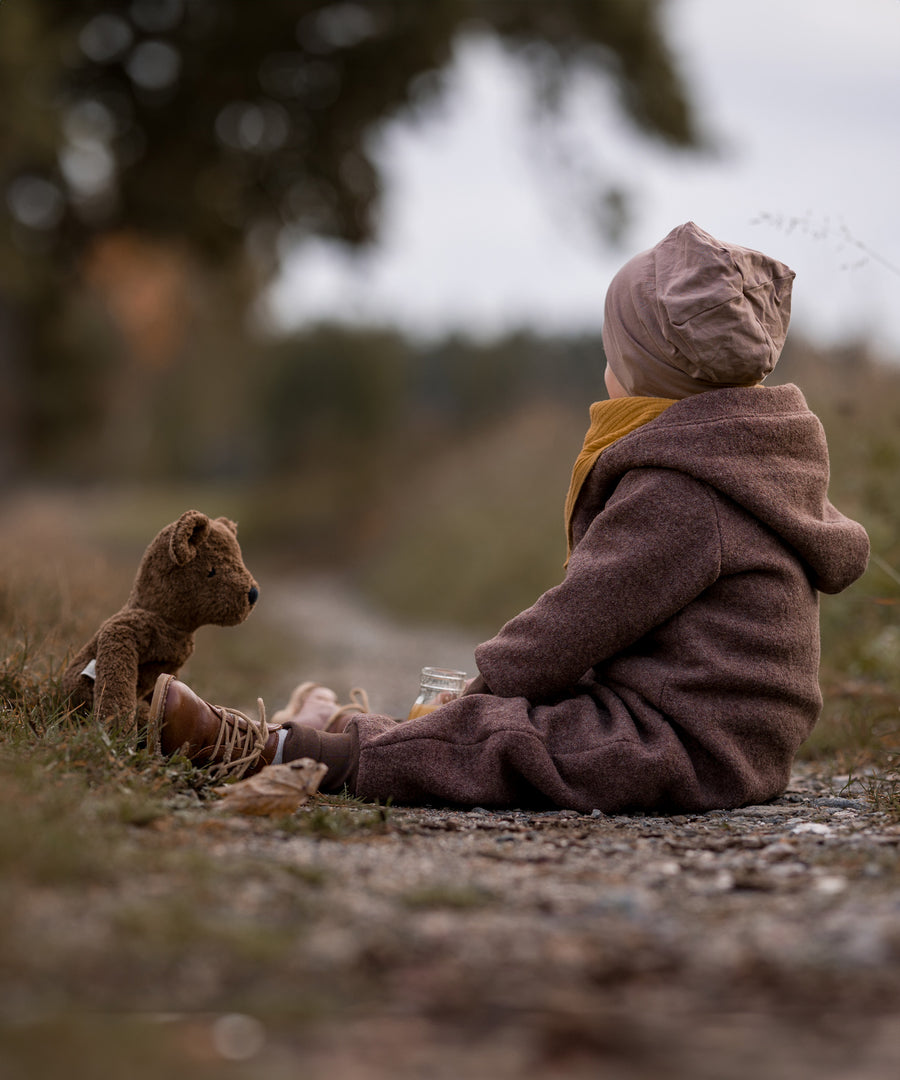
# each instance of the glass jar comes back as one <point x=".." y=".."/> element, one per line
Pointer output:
<point x="437" y="686"/>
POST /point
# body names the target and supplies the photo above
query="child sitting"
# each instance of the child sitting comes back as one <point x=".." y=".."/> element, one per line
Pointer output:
<point x="675" y="668"/>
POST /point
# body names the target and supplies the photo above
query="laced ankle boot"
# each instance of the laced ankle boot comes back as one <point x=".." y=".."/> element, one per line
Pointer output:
<point x="182" y="722"/>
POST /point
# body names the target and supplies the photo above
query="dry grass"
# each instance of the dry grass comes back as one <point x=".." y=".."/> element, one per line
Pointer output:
<point x="117" y="912"/>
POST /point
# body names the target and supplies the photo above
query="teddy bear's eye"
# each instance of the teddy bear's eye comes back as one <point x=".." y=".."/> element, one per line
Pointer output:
<point x="211" y="572"/>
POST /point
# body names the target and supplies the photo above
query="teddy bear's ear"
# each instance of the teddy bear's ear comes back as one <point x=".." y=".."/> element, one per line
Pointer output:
<point x="231" y="525"/>
<point x="189" y="532"/>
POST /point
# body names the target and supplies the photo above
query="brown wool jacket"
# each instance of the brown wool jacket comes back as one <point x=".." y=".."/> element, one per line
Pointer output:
<point x="675" y="668"/>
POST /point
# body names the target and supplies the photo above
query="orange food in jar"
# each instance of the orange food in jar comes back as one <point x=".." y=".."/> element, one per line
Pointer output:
<point x="423" y="708"/>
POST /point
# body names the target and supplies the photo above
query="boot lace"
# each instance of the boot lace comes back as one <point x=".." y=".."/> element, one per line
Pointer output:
<point x="247" y="741"/>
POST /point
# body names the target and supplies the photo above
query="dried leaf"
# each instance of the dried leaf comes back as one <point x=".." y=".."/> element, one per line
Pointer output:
<point x="276" y="789"/>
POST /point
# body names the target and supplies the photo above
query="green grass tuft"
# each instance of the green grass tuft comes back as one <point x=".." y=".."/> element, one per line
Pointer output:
<point x="461" y="897"/>
<point x="332" y="821"/>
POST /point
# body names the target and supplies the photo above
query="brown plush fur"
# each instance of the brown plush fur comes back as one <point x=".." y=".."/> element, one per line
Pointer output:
<point x="191" y="575"/>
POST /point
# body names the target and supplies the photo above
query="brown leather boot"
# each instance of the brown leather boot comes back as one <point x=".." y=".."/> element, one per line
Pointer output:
<point x="182" y="722"/>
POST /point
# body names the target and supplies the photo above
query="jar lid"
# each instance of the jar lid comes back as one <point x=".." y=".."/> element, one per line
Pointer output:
<point x="436" y="678"/>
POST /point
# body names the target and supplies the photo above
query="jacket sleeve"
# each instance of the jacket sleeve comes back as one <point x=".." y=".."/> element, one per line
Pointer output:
<point x="653" y="548"/>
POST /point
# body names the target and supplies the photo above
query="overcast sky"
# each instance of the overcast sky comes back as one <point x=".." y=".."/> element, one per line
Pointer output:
<point x="484" y="229"/>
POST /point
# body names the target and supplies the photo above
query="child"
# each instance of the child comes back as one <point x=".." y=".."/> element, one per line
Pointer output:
<point x="675" y="668"/>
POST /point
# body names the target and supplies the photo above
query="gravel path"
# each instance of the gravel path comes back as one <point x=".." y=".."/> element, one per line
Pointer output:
<point x="762" y="941"/>
<point x="755" y="942"/>
<point x="345" y="642"/>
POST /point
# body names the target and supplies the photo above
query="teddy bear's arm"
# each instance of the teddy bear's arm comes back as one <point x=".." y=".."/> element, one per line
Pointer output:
<point x="118" y="659"/>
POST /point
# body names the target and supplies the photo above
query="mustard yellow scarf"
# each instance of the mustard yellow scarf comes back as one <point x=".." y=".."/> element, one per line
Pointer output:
<point x="610" y="420"/>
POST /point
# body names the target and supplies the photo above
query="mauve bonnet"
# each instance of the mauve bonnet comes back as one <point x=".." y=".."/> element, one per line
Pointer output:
<point x="694" y="314"/>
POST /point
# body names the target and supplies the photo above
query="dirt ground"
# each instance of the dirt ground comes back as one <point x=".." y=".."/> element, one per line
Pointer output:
<point x="763" y="941"/>
<point x="439" y="943"/>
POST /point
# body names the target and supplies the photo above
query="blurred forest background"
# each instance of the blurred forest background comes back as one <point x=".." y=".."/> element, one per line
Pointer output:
<point x="155" y="157"/>
<point x="155" y="154"/>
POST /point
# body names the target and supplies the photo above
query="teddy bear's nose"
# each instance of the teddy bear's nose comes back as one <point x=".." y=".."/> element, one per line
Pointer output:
<point x="253" y="595"/>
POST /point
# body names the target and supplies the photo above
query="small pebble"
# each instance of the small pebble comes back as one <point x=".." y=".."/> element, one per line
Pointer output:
<point x="830" y="885"/>
<point x="816" y="828"/>
<point x="779" y="850"/>
<point x="841" y="804"/>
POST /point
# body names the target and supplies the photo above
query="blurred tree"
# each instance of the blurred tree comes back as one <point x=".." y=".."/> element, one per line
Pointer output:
<point x="164" y="140"/>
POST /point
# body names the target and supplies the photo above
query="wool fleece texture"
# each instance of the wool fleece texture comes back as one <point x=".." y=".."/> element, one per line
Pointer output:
<point x="675" y="668"/>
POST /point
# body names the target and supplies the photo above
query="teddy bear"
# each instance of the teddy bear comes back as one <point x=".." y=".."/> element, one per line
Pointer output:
<point x="191" y="575"/>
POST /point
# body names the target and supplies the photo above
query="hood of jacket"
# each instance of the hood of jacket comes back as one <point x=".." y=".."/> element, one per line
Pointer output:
<point x="694" y="314"/>
<point x="764" y="449"/>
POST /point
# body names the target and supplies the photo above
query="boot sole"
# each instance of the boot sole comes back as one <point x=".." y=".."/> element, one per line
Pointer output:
<point x="157" y="708"/>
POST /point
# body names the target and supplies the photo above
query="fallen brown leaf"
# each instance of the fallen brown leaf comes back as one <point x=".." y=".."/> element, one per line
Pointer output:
<point x="276" y="789"/>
